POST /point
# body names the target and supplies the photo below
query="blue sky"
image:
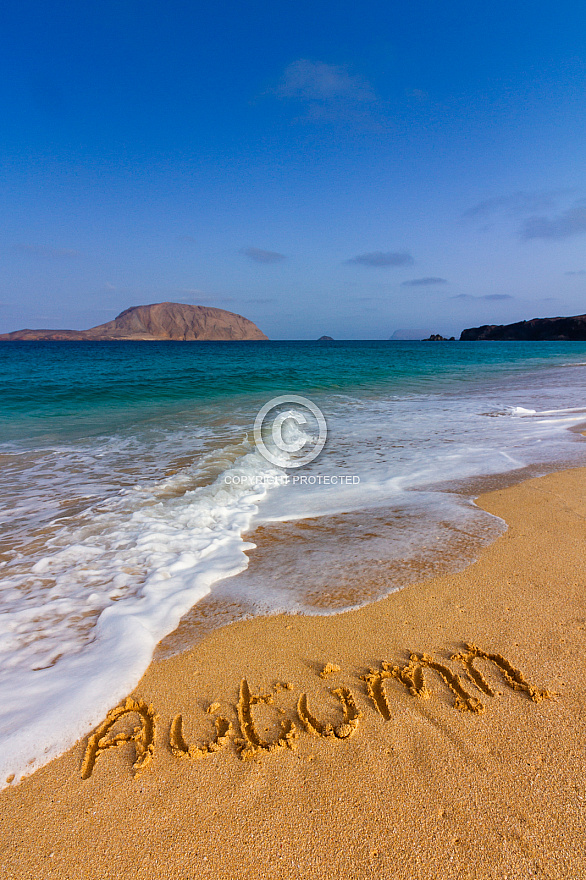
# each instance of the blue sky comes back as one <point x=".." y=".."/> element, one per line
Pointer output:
<point x="321" y="168"/>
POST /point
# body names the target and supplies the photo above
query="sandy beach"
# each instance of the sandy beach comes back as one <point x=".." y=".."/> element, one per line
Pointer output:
<point x="438" y="733"/>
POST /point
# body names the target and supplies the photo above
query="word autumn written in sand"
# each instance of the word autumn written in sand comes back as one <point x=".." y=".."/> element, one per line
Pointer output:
<point x="249" y="741"/>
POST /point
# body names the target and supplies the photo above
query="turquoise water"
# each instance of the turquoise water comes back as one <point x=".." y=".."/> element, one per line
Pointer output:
<point x="132" y="487"/>
<point x="66" y="388"/>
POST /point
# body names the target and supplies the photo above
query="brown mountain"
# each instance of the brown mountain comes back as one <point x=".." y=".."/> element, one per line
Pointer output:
<point x="158" y="321"/>
<point x="536" y="330"/>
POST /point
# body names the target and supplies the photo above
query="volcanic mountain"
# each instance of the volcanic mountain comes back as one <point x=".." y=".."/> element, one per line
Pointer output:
<point x="167" y="320"/>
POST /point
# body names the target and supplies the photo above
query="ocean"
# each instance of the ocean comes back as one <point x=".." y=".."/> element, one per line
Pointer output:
<point x="137" y="508"/>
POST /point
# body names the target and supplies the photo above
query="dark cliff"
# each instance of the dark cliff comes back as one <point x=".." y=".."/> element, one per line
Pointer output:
<point x="536" y="330"/>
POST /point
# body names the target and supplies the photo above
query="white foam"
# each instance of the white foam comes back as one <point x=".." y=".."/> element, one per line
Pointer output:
<point x="521" y="411"/>
<point x="398" y="446"/>
<point x="135" y="566"/>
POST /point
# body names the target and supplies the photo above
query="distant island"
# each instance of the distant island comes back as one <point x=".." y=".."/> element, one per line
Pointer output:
<point x="437" y="337"/>
<point x="326" y="339"/>
<point x="536" y="330"/>
<point x="160" y="321"/>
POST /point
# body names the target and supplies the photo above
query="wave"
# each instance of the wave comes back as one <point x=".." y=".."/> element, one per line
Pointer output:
<point x="80" y="624"/>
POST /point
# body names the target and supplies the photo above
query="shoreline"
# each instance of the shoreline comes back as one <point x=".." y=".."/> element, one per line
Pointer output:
<point x="409" y="781"/>
<point x="195" y="626"/>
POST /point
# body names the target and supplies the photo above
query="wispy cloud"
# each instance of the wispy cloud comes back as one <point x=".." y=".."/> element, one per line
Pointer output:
<point x="576" y="272"/>
<point x="35" y="250"/>
<point x="317" y="81"/>
<point x="187" y="239"/>
<point x="568" y="223"/>
<point x="516" y="204"/>
<point x="424" y="282"/>
<point x="491" y="297"/>
<point x="260" y="256"/>
<point x="382" y="259"/>
<point x="327" y="91"/>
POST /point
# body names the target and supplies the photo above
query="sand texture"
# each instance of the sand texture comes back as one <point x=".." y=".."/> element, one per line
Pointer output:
<point x="439" y="733"/>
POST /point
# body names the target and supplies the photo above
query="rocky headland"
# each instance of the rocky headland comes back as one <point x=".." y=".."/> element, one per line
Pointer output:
<point x="536" y="330"/>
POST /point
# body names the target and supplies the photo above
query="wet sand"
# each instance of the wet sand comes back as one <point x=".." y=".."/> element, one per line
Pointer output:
<point x="447" y="738"/>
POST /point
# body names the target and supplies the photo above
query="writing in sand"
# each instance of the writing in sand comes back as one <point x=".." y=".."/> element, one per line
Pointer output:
<point x="250" y="742"/>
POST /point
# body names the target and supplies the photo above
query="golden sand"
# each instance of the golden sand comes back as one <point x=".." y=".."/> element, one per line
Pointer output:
<point x="439" y="733"/>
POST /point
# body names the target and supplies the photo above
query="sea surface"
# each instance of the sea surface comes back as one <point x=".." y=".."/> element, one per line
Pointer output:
<point x="136" y="506"/>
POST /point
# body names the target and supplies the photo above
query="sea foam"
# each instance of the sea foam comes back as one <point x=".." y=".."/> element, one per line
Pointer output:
<point x="79" y="627"/>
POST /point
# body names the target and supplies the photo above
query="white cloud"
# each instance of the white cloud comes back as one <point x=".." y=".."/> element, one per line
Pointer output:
<point x="424" y="282"/>
<point x="316" y="81"/>
<point x="516" y="204"/>
<point x="382" y="259"/>
<point x="568" y="223"/>
<point x="260" y="256"/>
